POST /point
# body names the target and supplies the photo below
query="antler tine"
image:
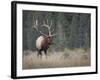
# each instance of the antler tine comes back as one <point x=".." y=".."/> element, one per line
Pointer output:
<point x="49" y="28"/>
<point x="52" y="31"/>
<point x="47" y="21"/>
<point x="51" y="24"/>
<point x="36" y="23"/>
<point x="45" y="24"/>
<point x="42" y="33"/>
<point x="36" y="27"/>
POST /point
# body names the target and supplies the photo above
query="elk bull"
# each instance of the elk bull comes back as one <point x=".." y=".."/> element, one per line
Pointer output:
<point x="45" y="40"/>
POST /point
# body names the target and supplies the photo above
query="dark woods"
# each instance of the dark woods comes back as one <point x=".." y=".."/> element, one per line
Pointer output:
<point x="73" y="29"/>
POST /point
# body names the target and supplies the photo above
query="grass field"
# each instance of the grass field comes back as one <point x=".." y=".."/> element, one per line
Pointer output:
<point x="66" y="58"/>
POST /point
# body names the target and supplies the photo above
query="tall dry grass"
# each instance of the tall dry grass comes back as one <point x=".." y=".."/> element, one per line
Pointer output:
<point x="66" y="58"/>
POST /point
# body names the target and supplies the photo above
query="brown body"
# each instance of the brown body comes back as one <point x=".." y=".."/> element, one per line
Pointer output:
<point x="42" y="44"/>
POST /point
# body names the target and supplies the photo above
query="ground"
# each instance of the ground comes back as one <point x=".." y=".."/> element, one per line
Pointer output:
<point x="66" y="58"/>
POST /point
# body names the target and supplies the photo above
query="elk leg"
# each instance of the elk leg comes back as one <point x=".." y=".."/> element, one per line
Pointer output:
<point x="39" y="53"/>
<point x="45" y="51"/>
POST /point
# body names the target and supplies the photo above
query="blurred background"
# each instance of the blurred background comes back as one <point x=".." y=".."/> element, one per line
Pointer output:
<point x="72" y="29"/>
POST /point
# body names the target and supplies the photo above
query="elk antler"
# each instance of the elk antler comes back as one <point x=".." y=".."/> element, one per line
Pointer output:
<point x="49" y="27"/>
<point x="35" y="26"/>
